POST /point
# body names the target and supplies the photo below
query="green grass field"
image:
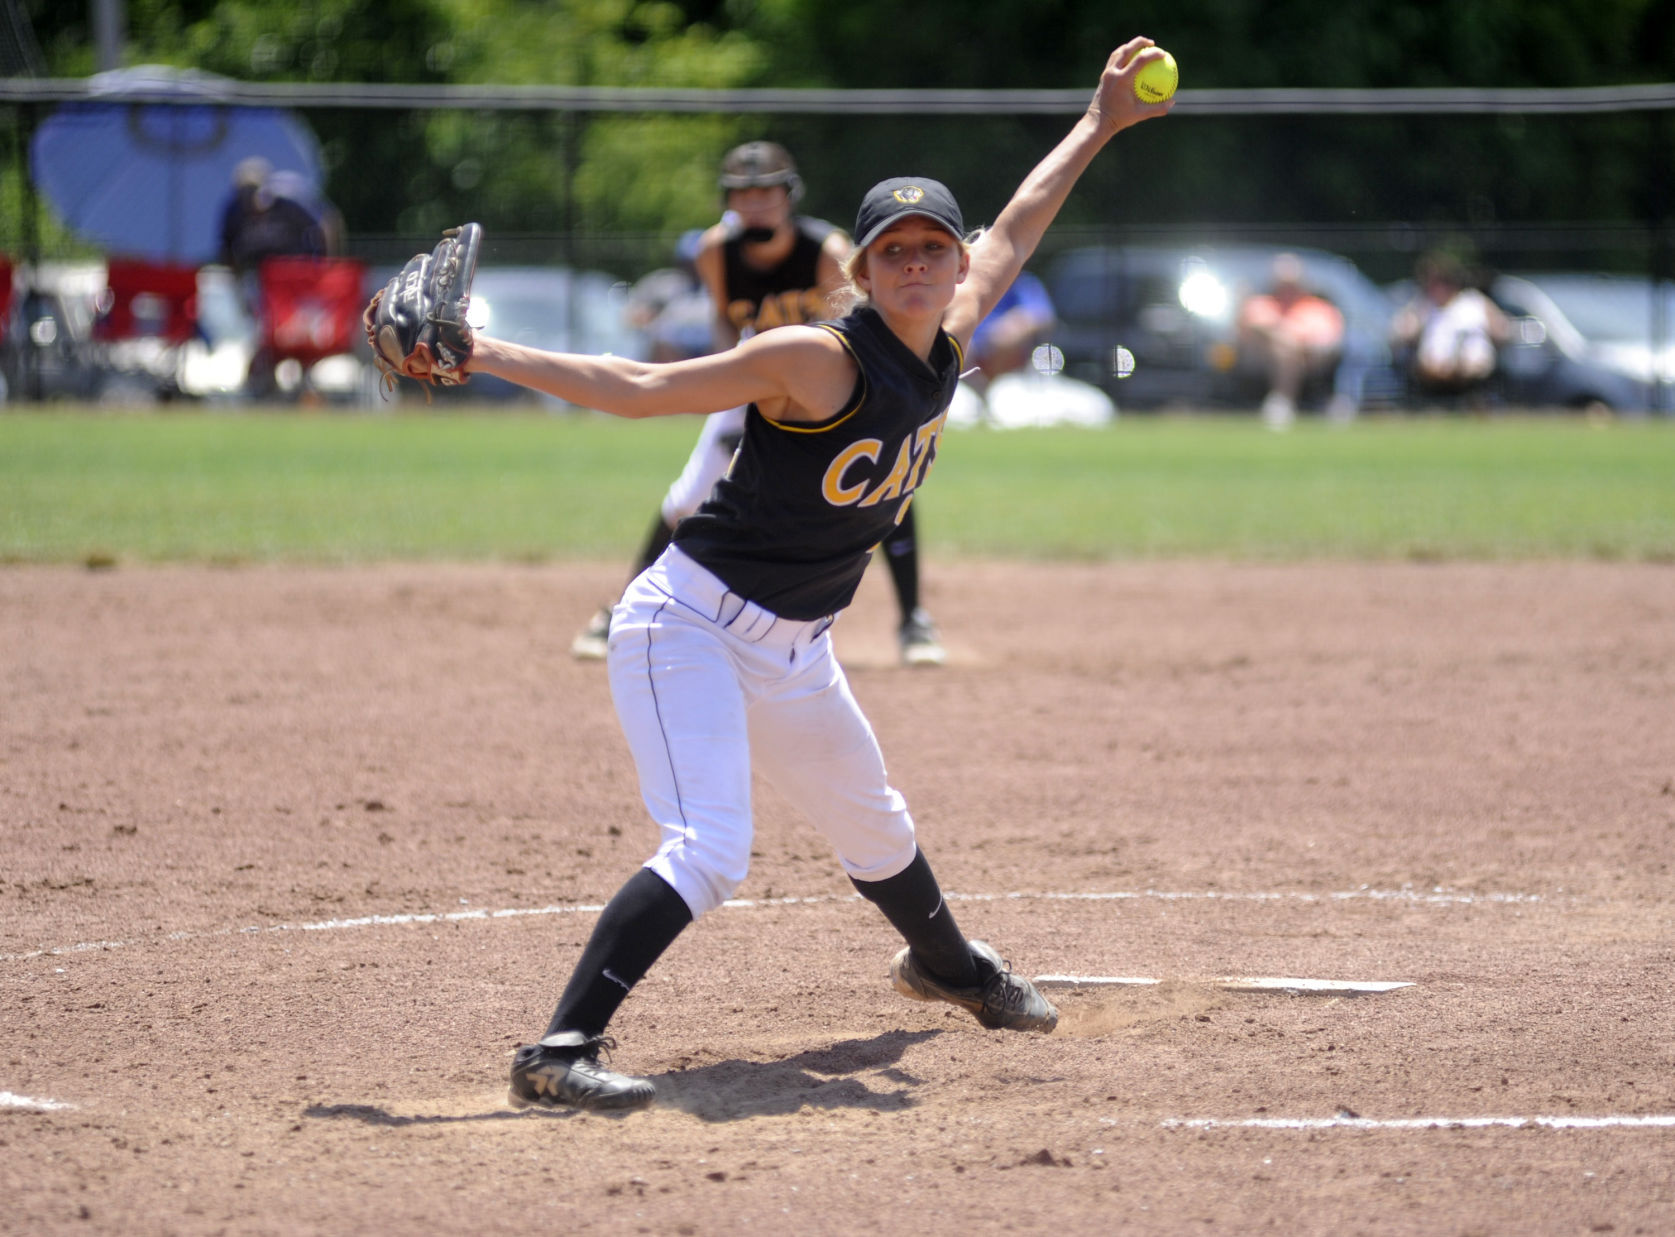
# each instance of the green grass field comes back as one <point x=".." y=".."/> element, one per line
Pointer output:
<point x="229" y="487"/>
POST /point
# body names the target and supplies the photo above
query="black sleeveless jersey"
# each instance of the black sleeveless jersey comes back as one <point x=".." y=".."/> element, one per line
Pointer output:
<point x="793" y="524"/>
<point x="758" y="300"/>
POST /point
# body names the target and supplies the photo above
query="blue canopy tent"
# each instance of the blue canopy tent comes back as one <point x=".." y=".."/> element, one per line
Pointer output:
<point x="147" y="172"/>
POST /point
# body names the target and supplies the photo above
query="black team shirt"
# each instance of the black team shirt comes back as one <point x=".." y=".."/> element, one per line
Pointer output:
<point x="793" y="524"/>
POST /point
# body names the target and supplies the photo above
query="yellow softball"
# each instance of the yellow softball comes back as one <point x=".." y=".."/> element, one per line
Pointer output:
<point x="1156" y="79"/>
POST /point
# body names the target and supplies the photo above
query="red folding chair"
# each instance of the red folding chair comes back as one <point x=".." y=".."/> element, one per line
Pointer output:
<point x="311" y="307"/>
<point x="147" y="300"/>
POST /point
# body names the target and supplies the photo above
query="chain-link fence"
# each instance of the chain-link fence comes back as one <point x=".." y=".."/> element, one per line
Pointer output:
<point x="607" y="180"/>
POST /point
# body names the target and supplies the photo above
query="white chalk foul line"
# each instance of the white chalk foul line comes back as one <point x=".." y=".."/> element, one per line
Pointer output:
<point x="1235" y="983"/>
<point x="1436" y="896"/>
<point x="1422" y="1123"/>
<point x="9" y="1100"/>
<point x="1419" y="897"/>
<point x="324" y="925"/>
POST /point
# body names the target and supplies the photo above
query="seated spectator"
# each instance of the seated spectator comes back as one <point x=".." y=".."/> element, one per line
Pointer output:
<point x="1450" y="332"/>
<point x="1020" y="320"/>
<point x="1290" y="338"/>
<point x="1011" y="380"/>
<point x="671" y="308"/>
<point x="271" y="214"/>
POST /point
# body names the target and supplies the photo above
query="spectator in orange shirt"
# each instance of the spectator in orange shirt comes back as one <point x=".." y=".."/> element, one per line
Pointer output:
<point x="1289" y="336"/>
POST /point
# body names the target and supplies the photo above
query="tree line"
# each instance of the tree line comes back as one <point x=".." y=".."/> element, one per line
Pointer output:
<point x="654" y="176"/>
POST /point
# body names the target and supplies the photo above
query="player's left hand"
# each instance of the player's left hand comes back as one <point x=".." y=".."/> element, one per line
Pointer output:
<point x="416" y="324"/>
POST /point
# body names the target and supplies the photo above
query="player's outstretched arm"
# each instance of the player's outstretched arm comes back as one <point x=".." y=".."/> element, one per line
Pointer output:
<point x="1004" y="248"/>
<point x="796" y="373"/>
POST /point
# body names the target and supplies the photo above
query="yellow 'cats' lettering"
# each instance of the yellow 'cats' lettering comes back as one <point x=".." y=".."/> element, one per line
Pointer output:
<point x="890" y="487"/>
<point x="912" y="463"/>
<point x="832" y="486"/>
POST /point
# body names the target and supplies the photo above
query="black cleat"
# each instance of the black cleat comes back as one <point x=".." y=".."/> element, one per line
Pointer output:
<point x="592" y="643"/>
<point x="921" y="643"/>
<point x="1001" y="1000"/>
<point x="563" y="1071"/>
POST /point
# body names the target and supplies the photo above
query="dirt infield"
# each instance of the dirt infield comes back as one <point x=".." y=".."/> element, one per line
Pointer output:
<point x="293" y="858"/>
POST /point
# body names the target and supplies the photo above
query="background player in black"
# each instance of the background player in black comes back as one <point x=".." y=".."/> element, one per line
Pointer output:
<point x="766" y="266"/>
<point x="713" y="682"/>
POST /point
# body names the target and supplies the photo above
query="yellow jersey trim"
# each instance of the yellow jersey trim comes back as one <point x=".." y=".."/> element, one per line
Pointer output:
<point x="843" y="414"/>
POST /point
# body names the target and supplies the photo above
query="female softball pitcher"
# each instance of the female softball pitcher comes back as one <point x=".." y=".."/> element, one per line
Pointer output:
<point x="720" y="654"/>
<point x="768" y="268"/>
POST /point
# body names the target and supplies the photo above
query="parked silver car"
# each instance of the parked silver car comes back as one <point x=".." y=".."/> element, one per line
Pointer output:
<point x="1155" y="325"/>
<point x="550" y="308"/>
<point x="1588" y="341"/>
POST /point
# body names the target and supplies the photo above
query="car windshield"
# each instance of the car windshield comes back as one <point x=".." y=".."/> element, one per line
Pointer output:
<point x="507" y="314"/>
<point x="1610" y="310"/>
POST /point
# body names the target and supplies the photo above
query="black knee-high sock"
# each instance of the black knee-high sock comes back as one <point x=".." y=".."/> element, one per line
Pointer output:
<point x="912" y="901"/>
<point x="901" y="552"/>
<point x="636" y="926"/>
<point x="657" y="540"/>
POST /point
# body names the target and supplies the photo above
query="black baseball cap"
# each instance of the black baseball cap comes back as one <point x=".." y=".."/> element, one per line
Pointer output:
<point x="890" y="200"/>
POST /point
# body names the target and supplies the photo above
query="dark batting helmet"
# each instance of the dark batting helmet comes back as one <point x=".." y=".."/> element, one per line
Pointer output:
<point x="759" y="165"/>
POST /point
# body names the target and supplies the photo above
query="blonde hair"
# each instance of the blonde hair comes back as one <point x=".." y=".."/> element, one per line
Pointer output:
<point x="849" y="295"/>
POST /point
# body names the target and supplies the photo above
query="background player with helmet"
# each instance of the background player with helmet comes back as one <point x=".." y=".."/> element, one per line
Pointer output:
<point x="766" y="266"/>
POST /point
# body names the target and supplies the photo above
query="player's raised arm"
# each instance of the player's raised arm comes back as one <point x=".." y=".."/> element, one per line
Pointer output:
<point x="1003" y="249"/>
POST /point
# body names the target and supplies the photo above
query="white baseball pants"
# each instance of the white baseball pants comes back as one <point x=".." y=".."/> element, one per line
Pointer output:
<point x="705" y="685"/>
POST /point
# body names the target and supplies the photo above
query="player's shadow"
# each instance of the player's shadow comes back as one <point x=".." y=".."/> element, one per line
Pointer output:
<point x="834" y="1077"/>
<point x="730" y="1090"/>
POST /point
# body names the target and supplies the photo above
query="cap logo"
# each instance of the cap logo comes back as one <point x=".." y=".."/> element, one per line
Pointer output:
<point x="910" y="195"/>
